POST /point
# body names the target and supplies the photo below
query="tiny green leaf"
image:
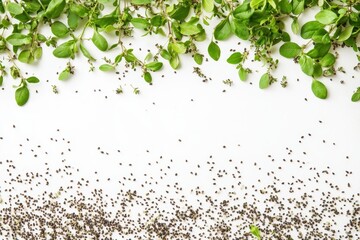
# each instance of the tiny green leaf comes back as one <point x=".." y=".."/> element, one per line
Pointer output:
<point x="309" y="28"/>
<point x="175" y="61"/>
<point x="140" y="23"/>
<point x="264" y="81"/>
<point x="165" y="54"/>
<point x="254" y="4"/>
<point x="290" y="50"/>
<point x="328" y="60"/>
<point x="242" y="74"/>
<point x="298" y="6"/>
<point x="26" y="57"/>
<point x="59" y="29"/>
<point x="326" y="17"/>
<point x="208" y="5"/>
<point x="99" y="41"/>
<point x="345" y="34"/>
<point x="86" y="52"/>
<point x="178" y="47"/>
<point x="32" y="79"/>
<point x="18" y="39"/>
<point x="214" y="51"/>
<point x="189" y="28"/>
<point x="307" y="65"/>
<point x="55" y="8"/>
<point x="22" y="95"/>
<point x="240" y="29"/>
<point x="198" y="58"/>
<point x="319" y="50"/>
<point x="106" y="67"/>
<point x="255" y="231"/>
<point x="295" y="26"/>
<point x="14" y="8"/>
<point x="319" y="89"/>
<point x="356" y="96"/>
<point x="154" y="66"/>
<point x="65" y="50"/>
<point x="235" y="58"/>
<point x="147" y="77"/>
<point x="64" y="75"/>
<point x="223" y="30"/>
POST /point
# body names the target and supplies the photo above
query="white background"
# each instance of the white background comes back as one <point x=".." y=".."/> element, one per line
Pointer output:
<point x="250" y="122"/>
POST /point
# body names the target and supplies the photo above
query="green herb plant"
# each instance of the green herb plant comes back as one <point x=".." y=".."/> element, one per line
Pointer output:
<point x="182" y="23"/>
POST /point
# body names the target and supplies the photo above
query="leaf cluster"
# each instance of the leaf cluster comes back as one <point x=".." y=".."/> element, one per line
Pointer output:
<point x="182" y="23"/>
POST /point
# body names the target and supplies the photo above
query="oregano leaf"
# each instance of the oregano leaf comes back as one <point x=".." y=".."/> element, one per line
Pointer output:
<point x="214" y="51"/>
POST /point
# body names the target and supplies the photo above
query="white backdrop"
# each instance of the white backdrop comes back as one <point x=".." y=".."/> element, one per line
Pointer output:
<point x="181" y="118"/>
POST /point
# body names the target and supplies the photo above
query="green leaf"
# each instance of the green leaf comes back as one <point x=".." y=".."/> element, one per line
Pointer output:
<point x="22" y="95"/>
<point x="290" y="50"/>
<point x="14" y="8"/>
<point x="307" y="65"/>
<point x="59" y="29"/>
<point x="223" y="30"/>
<point x="255" y="231"/>
<point x="180" y="11"/>
<point x="64" y="50"/>
<point x="254" y="4"/>
<point x="79" y="10"/>
<point x="140" y="2"/>
<point x="1" y="80"/>
<point x="344" y="35"/>
<point x="178" y="47"/>
<point x="86" y="52"/>
<point x="326" y="17"/>
<point x="240" y="29"/>
<point x="189" y="28"/>
<point x="264" y="81"/>
<point x="355" y="97"/>
<point x="26" y="57"/>
<point x="235" y="58"/>
<point x="55" y="8"/>
<point x="208" y="5"/>
<point x="214" y="51"/>
<point x="243" y="11"/>
<point x="175" y="61"/>
<point x="147" y="77"/>
<point x="321" y="36"/>
<point x="165" y="54"/>
<point x="328" y="60"/>
<point x="64" y="75"/>
<point x="32" y="79"/>
<point x="319" y="50"/>
<point x="73" y="20"/>
<point x="18" y="39"/>
<point x="298" y="6"/>
<point x="99" y="41"/>
<point x="309" y="28"/>
<point x="107" y="67"/>
<point x="198" y="58"/>
<point x="2" y="10"/>
<point x="242" y="74"/>
<point x="285" y="6"/>
<point x="38" y="53"/>
<point x="295" y="26"/>
<point x="154" y="66"/>
<point x="317" y="70"/>
<point x="319" y="89"/>
<point x="140" y="23"/>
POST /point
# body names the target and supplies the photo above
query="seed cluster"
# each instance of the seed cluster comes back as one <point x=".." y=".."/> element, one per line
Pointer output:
<point x="56" y="201"/>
